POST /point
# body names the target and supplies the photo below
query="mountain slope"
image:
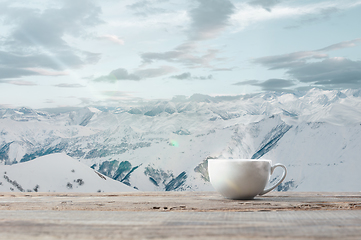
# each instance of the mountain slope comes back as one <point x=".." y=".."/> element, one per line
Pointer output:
<point x="164" y="145"/>
<point x="56" y="173"/>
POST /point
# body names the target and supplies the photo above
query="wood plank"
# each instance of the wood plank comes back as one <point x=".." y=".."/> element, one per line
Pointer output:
<point x="179" y="215"/>
<point x="180" y="225"/>
<point x="178" y="201"/>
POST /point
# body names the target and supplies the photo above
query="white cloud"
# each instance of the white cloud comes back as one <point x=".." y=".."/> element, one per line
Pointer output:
<point x="246" y="14"/>
<point x="113" y="38"/>
<point x="22" y="83"/>
<point x="69" y="85"/>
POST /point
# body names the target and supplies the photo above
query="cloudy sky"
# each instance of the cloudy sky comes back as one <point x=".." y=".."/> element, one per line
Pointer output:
<point x="76" y="53"/>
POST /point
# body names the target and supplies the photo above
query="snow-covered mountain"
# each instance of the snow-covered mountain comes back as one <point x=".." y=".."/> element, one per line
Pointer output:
<point x="164" y="145"/>
<point x="56" y="173"/>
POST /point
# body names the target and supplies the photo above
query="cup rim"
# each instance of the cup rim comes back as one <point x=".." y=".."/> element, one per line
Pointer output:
<point x="240" y="160"/>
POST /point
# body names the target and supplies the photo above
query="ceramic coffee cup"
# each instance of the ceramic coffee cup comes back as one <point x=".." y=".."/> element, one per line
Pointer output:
<point x="242" y="178"/>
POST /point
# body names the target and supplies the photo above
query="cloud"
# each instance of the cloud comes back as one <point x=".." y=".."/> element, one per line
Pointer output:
<point x="19" y="82"/>
<point x="317" y="68"/>
<point x="247" y="14"/>
<point x="341" y="45"/>
<point x="223" y="69"/>
<point x="207" y="20"/>
<point x="210" y="18"/>
<point x="139" y="5"/>
<point x="69" y="85"/>
<point x="209" y="77"/>
<point x="289" y="60"/>
<point x="140" y="74"/>
<point x="49" y="101"/>
<point x="185" y="54"/>
<point x="45" y="72"/>
<point x="18" y="61"/>
<point x="331" y="72"/>
<point x="33" y="28"/>
<point x="18" y="65"/>
<point x="36" y="37"/>
<point x="183" y="76"/>
<point x="113" y="38"/>
<point x="115" y="93"/>
<point x="8" y="72"/>
<point x="322" y="15"/>
<point x="22" y="83"/>
<point x="296" y="59"/>
<point x="145" y="8"/>
<point x="273" y="84"/>
<point x="188" y="76"/>
<point x="266" y="4"/>
<point x="154" y="72"/>
<point x="248" y="82"/>
<point x="118" y="74"/>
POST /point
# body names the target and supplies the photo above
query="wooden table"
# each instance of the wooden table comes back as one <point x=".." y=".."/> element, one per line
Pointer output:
<point x="179" y="215"/>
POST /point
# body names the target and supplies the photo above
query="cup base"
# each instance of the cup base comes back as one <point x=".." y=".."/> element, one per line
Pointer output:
<point x="239" y="198"/>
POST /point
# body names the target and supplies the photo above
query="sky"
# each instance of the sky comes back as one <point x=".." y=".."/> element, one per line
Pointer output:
<point x="64" y="53"/>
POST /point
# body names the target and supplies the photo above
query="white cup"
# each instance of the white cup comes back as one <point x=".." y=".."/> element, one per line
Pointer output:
<point x="242" y="178"/>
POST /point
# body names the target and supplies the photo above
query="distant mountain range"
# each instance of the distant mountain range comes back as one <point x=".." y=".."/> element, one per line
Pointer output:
<point x="165" y="145"/>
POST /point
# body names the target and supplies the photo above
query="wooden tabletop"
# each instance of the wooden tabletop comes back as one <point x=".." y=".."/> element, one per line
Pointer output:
<point x="179" y="215"/>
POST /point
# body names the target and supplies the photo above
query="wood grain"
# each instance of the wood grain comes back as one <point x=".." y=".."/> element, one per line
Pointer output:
<point x="178" y="201"/>
<point x="179" y="215"/>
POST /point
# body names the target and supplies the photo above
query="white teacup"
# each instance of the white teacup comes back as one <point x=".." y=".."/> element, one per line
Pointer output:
<point x="242" y="178"/>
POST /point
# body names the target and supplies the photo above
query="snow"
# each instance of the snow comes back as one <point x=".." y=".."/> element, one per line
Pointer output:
<point x="316" y="134"/>
<point x="56" y="173"/>
<point x="94" y="110"/>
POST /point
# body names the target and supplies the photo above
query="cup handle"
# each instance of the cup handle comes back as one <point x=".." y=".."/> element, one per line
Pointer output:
<point x="279" y="182"/>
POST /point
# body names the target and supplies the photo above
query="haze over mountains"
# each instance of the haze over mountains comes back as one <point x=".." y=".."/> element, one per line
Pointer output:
<point x="164" y="145"/>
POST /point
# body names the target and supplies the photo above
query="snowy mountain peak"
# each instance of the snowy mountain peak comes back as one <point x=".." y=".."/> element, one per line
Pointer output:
<point x="82" y="116"/>
<point x="164" y="145"/>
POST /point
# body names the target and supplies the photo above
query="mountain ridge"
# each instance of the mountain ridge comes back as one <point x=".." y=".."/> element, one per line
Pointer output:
<point x="164" y="145"/>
